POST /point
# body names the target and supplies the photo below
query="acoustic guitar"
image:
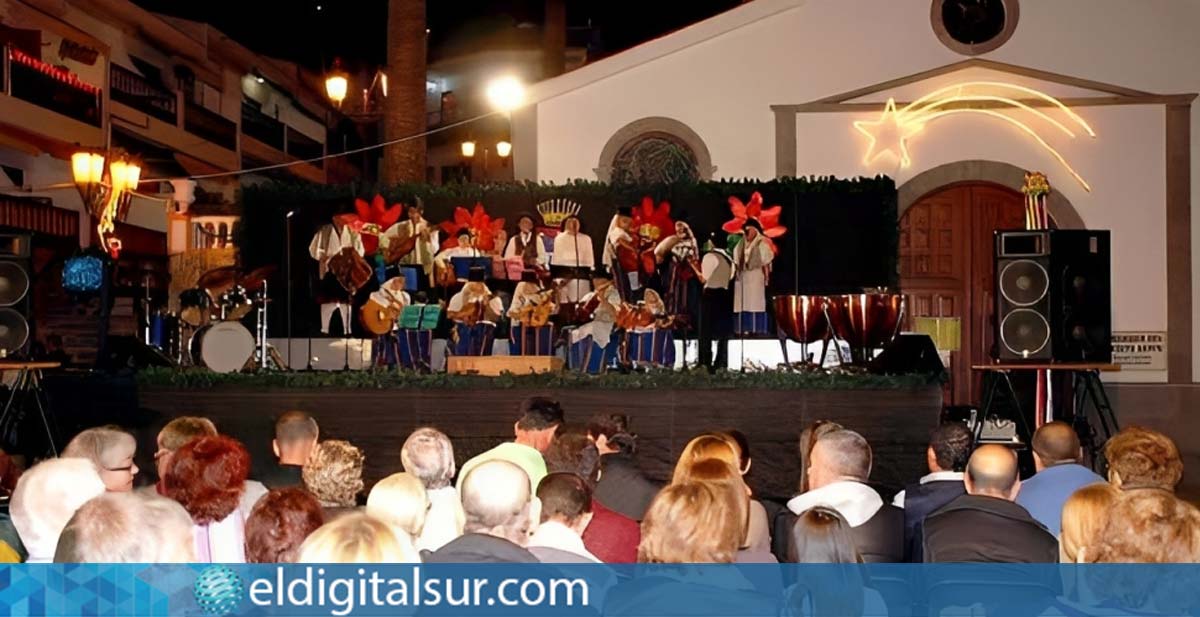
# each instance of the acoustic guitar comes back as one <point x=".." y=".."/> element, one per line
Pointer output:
<point x="377" y="318"/>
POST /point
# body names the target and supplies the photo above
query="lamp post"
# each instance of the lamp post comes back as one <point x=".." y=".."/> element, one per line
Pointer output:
<point x="337" y="83"/>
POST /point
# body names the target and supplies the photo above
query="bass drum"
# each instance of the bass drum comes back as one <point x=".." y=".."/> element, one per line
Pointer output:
<point x="223" y="347"/>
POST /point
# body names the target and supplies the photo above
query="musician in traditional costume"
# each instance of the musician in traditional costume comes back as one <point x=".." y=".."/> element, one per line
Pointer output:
<point x="330" y="240"/>
<point x="716" y="304"/>
<point x="445" y="274"/>
<point x="416" y="339"/>
<point x="594" y="345"/>
<point x="618" y="240"/>
<point x="414" y="230"/>
<point x="385" y="305"/>
<point x="528" y="244"/>
<point x="752" y="267"/>
<point x="474" y="311"/>
<point x="572" y="261"/>
<point x="680" y="255"/>
<point x="650" y="337"/>
<point x="531" y="333"/>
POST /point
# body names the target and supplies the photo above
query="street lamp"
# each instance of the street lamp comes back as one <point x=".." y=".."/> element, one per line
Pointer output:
<point x="108" y="201"/>
<point x="468" y="149"/>
<point x="505" y="93"/>
<point x="503" y="149"/>
<point x="337" y="83"/>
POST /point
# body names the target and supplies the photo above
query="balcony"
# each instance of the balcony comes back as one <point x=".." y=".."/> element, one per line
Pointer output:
<point x="262" y="127"/>
<point x="210" y="125"/>
<point x="49" y="87"/>
<point x="304" y="148"/>
<point x="139" y="93"/>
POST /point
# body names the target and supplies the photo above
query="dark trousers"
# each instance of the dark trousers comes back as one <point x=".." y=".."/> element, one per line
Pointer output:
<point x="716" y="323"/>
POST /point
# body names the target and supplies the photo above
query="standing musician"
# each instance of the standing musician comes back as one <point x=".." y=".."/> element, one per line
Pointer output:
<point x="527" y="244"/>
<point x="716" y="303"/>
<point x="531" y="333"/>
<point x="593" y="345"/>
<point x="474" y="311"/>
<point x="330" y="240"/>
<point x="752" y="266"/>
<point x="573" y="261"/>
<point x="416" y="230"/>
<point x="389" y="300"/>
<point x="620" y="241"/>
<point x="681" y="254"/>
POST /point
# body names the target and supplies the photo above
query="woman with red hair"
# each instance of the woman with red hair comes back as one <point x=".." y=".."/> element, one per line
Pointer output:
<point x="279" y="524"/>
<point x="207" y="476"/>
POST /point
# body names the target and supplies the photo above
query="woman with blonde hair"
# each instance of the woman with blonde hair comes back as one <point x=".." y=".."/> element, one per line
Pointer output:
<point x="692" y="522"/>
<point x="357" y="538"/>
<point x="400" y="501"/>
<point x="707" y="445"/>
<point x="1084" y="515"/>
<point x="720" y="475"/>
<point x="725" y="446"/>
<point x="334" y="475"/>
<point x="111" y="450"/>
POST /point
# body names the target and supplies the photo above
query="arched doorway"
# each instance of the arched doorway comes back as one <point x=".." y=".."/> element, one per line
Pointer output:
<point x="946" y="267"/>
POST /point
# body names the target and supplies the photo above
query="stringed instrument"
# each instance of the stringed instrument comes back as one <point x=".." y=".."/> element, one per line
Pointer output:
<point x="537" y="313"/>
<point x="350" y="269"/>
<point x="474" y="310"/>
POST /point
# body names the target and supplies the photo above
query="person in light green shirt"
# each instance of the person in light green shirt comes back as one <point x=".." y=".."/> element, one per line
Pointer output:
<point x="539" y="420"/>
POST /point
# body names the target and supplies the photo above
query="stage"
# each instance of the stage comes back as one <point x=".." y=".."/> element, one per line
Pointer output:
<point x="895" y="418"/>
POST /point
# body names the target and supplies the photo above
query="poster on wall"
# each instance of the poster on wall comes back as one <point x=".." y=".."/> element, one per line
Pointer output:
<point x="1140" y="351"/>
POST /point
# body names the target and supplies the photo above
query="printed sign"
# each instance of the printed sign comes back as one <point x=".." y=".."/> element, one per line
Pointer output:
<point x="1140" y="351"/>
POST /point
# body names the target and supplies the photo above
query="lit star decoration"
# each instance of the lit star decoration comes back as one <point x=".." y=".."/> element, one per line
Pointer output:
<point x="891" y="132"/>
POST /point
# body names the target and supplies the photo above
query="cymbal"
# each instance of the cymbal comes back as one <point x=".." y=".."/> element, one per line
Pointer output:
<point x="217" y="278"/>
<point x="256" y="277"/>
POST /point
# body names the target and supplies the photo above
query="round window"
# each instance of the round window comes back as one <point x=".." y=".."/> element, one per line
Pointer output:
<point x="973" y="27"/>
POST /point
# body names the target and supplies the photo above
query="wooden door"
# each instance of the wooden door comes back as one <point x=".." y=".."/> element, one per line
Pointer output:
<point x="946" y="268"/>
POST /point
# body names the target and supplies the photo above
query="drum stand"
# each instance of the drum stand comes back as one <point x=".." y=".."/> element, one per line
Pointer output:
<point x="265" y="354"/>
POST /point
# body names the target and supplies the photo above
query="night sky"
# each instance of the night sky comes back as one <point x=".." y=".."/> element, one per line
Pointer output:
<point x="313" y="32"/>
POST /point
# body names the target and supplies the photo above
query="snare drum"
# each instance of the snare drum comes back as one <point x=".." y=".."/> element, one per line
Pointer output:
<point x="224" y="347"/>
<point x="193" y="307"/>
<point x="236" y="303"/>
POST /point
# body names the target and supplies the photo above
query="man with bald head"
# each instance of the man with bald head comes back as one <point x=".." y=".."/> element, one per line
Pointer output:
<point x="1056" y="456"/>
<point x="501" y="512"/>
<point x="986" y="525"/>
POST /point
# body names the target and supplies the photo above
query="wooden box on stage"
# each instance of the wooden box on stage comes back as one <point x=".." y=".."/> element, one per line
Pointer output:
<point x="492" y="366"/>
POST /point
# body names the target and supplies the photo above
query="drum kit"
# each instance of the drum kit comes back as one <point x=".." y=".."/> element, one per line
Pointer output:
<point x="207" y="331"/>
<point x="865" y="322"/>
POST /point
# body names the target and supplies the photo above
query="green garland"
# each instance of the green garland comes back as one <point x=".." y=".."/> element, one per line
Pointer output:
<point x="188" y="379"/>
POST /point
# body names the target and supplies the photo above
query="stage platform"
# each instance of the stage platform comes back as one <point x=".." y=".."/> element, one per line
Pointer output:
<point x="895" y="421"/>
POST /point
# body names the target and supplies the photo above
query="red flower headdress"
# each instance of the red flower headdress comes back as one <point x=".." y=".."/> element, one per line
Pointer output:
<point x="371" y="220"/>
<point x="483" y="227"/>
<point x="767" y="217"/>
<point x="652" y="222"/>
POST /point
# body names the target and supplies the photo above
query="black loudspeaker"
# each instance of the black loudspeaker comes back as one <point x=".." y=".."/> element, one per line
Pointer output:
<point x="16" y="292"/>
<point x="909" y="353"/>
<point x="1053" y="296"/>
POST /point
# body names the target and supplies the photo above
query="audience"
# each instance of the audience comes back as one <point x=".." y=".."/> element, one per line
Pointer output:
<point x="808" y="439"/>
<point x="1084" y="515"/>
<point x="707" y="445"/>
<point x="985" y="525"/>
<point x="46" y="497"/>
<point x="184" y="429"/>
<point x="296" y="435"/>
<point x="1141" y="458"/>
<point x="279" y="524"/>
<point x="1150" y="526"/>
<point x="566" y="511"/>
<point x="334" y="475"/>
<point x="111" y="450"/>
<point x="1056" y="456"/>
<point x="724" y="477"/>
<point x="947" y="454"/>
<point x="821" y="535"/>
<point x="501" y="511"/>
<point x="357" y="537"/>
<point x="622" y="487"/>
<point x="839" y="465"/>
<point x="399" y="500"/>
<point x="537" y="422"/>
<point x="207" y="477"/>
<point x="429" y="455"/>
<point x="126" y="527"/>
<point x="758" y="533"/>
<point x="610" y="536"/>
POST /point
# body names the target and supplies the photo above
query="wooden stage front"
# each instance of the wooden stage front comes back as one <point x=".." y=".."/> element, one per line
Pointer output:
<point x="896" y="421"/>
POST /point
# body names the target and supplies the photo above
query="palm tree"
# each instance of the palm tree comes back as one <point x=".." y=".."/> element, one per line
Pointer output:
<point x="404" y="110"/>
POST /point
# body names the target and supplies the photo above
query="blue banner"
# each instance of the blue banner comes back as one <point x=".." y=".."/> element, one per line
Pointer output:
<point x="547" y="589"/>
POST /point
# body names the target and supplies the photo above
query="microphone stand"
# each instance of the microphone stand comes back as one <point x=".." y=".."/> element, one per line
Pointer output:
<point x="287" y="269"/>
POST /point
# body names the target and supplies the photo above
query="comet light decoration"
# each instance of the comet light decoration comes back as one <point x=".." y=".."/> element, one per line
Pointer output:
<point x="893" y="129"/>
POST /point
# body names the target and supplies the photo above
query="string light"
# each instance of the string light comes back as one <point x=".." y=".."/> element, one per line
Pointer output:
<point x="50" y="70"/>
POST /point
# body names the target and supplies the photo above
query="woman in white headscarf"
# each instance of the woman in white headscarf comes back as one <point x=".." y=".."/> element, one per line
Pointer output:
<point x="752" y="267"/>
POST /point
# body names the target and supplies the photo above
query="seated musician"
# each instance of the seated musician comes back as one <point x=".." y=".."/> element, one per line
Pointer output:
<point x="594" y="345"/>
<point x="443" y="266"/>
<point x="531" y="333"/>
<point x="649" y="333"/>
<point x="385" y="304"/>
<point x="572" y="261"/>
<point x="474" y="311"/>
<point x="621" y="241"/>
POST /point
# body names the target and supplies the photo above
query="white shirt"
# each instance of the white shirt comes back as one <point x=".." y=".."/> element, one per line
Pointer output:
<point x="329" y="241"/>
<point x="936" y="476"/>
<point x="391" y="293"/>
<point x="717" y="269"/>
<point x="615" y="235"/>
<point x="553" y="534"/>
<point x="444" y="521"/>
<point x="855" y="501"/>
<point x="495" y="306"/>
<point x="511" y="249"/>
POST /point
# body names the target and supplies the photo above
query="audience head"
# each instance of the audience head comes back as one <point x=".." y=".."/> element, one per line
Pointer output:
<point x="1084" y="515"/>
<point x="574" y="453"/>
<point x="334" y="473"/>
<point x="279" y="524"/>
<point x="567" y="499"/>
<point x="821" y="535"/>
<point x="743" y="446"/>
<point x="1150" y="526"/>
<point x="296" y="433"/>
<point x="949" y="447"/>
<point x="691" y="523"/>
<point x="126" y="527"/>
<point x="207" y="477"/>
<point x="610" y="432"/>
<point x="708" y="445"/>
<point x="46" y="497"/>
<point x="808" y="439"/>
<point x="538" y="420"/>
<point x="1055" y="443"/>
<point x="497" y="501"/>
<point x="176" y="433"/>
<point x="1143" y="458"/>
<point x="992" y="472"/>
<point x="111" y="450"/>
<point x="841" y="455"/>
<point x="429" y="455"/>
<point x="400" y="501"/>
<point x="357" y="538"/>
<point x="723" y="477"/>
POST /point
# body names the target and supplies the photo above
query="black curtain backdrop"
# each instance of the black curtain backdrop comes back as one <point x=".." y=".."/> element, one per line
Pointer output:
<point x="842" y="234"/>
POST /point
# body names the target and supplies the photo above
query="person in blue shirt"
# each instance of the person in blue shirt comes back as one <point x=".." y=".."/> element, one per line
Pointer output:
<point x="1056" y="456"/>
